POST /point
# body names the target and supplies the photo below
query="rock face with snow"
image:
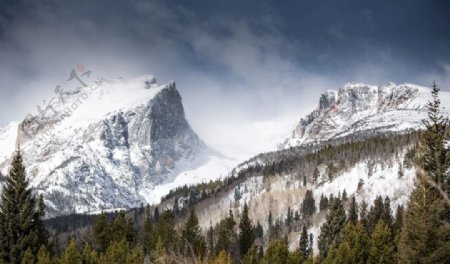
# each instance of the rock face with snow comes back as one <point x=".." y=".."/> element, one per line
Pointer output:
<point x="105" y="145"/>
<point x="361" y="108"/>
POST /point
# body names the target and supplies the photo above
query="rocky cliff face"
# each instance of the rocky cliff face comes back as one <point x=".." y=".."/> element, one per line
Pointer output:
<point x="106" y="145"/>
<point x="360" y="108"/>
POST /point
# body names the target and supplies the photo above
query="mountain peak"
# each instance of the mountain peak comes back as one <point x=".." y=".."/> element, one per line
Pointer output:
<point x="363" y="108"/>
<point x="82" y="106"/>
<point x="105" y="145"/>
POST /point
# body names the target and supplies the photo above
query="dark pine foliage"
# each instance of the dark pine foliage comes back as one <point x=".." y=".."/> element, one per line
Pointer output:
<point x="309" y="204"/>
<point x="21" y="213"/>
<point x="332" y="230"/>
<point x="246" y="232"/>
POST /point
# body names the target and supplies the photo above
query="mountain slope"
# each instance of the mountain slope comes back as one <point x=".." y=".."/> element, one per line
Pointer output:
<point x="359" y="108"/>
<point x="274" y="183"/>
<point x="360" y="140"/>
<point x="109" y="145"/>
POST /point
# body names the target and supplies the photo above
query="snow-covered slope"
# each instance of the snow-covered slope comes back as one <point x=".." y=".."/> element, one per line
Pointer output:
<point x="111" y="144"/>
<point x="276" y="194"/>
<point x="8" y="136"/>
<point x="388" y="172"/>
<point x="362" y="108"/>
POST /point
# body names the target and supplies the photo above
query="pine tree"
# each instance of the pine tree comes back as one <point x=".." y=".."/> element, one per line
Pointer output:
<point x="331" y="199"/>
<point x="165" y="230"/>
<point x="316" y="175"/>
<point x="388" y="219"/>
<point x="226" y="239"/>
<point x="433" y="156"/>
<point x="251" y="257"/>
<point x="419" y="232"/>
<point x="381" y="210"/>
<point x="192" y="238"/>
<point x="71" y="254"/>
<point x="309" y="204"/>
<point x="122" y="228"/>
<point x="304" y="243"/>
<point x="156" y="214"/>
<point x="28" y="257"/>
<point x="344" y="196"/>
<point x="441" y="252"/>
<point x="363" y="215"/>
<point x="289" y="217"/>
<point x="246" y="232"/>
<point x="259" y="231"/>
<point x="353" y="248"/>
<point x="270" y="219"/>
<point x="323" y="204"/>
<point x="90" y="255"/>
<point x="295" y="257"/>
<point x="160" y="248"/>
<point x="333" y="228"/>
<point x="397" y="227"/>
<point x="375" y="214"/>
<point x="21" y="214"/>
<point x="425" y="233"/>
<point x="136" y="256"/>
<point x="117" y="252"/>
<point x="382" y="248"/>
<point x="398" y="223"/>
<point x="101" y="233"/>
<point x="353" y="211"/>
<point x="176" y="207"/>
<point x="43" y="256"/>
<point x="223" y="258"/>
<point x="277" y="252"/>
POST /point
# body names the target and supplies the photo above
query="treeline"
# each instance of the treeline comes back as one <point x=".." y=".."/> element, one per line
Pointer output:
<point x="336" y="158"/>
<point x="303" y="163"/>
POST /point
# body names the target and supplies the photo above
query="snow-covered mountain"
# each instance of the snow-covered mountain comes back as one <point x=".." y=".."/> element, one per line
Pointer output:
<point x="109" y="145"/>
<point x="359" y="108"/>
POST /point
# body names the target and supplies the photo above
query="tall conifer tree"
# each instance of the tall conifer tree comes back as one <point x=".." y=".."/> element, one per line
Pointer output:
<point x="246" y="232"/>
<point x="425" y="236"/>
<point x="333" y="228"/>
<point x="304" y="243"/>
<point x="382" y="248"/>
<point x="21" y="214"/>
<point x="192" y="238"/>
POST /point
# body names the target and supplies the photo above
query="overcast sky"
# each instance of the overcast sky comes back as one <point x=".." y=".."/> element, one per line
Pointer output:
<point x="235" y="62"/>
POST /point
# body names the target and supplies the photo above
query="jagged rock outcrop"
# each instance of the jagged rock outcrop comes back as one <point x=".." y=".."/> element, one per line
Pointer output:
<point x="361" y="108"/>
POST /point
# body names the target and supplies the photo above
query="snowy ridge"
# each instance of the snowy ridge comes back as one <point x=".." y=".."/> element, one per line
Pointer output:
<point x="111" y="144"/>
<point x="361" y="108"/>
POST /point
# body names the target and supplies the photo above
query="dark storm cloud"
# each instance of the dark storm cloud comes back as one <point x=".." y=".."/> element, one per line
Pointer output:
<point x="240" y="60"/>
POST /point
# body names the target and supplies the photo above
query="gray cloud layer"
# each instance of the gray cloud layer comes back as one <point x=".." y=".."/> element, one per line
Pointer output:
<point x="233" y="62"/>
